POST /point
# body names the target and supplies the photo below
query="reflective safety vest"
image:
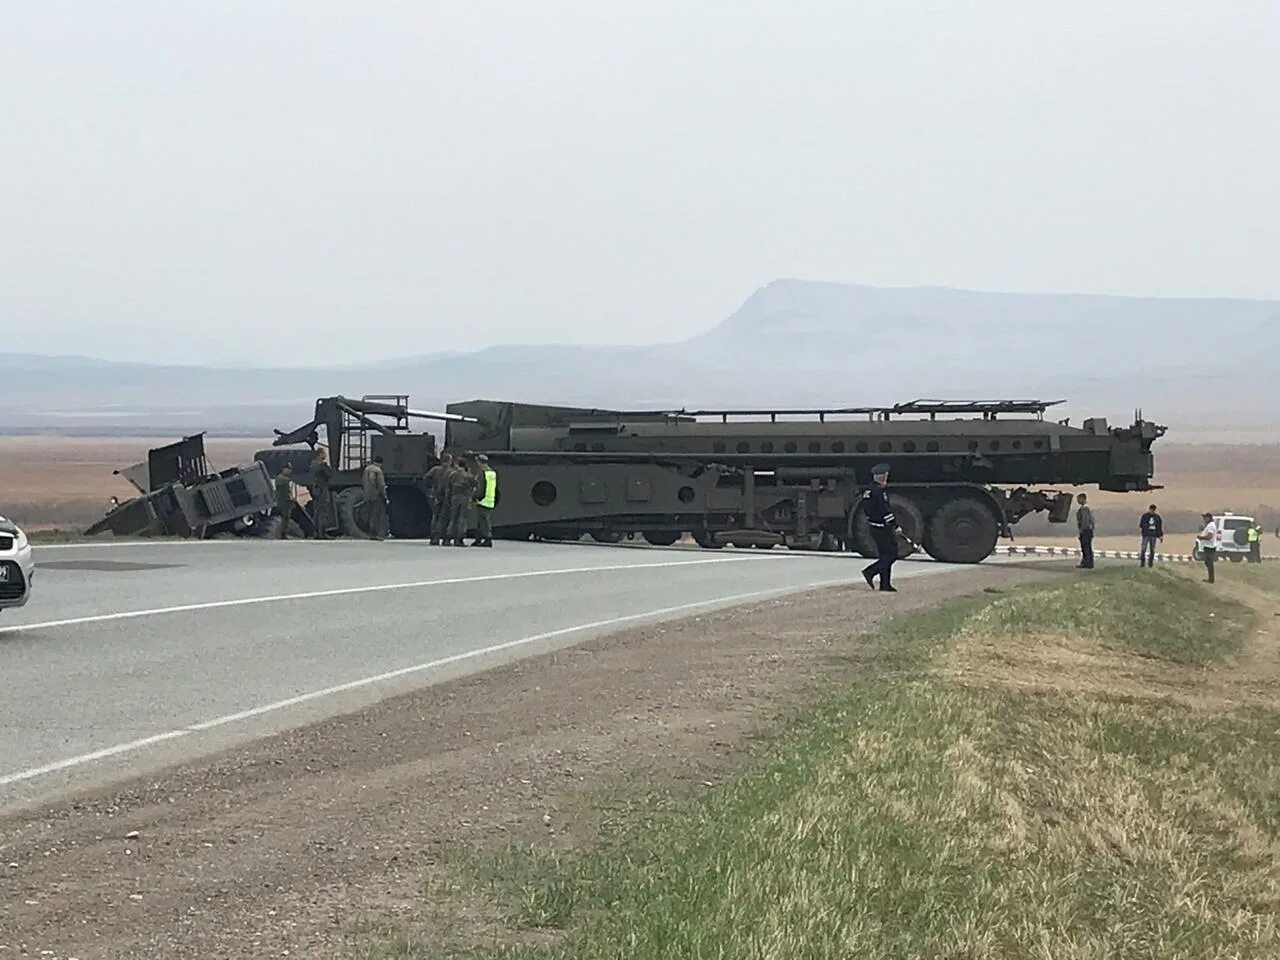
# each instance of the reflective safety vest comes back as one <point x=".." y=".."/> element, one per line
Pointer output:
<point x="1253" y="534"/>
<point x="490" y="488"/>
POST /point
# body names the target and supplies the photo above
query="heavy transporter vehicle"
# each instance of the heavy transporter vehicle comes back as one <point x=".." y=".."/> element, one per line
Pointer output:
<point x="963" y="472"/>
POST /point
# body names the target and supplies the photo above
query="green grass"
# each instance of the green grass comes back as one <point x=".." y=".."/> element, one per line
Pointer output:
<point x="918" y="814"/>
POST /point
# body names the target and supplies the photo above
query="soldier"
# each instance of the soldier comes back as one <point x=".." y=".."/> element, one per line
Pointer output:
<point x="375" y="496"/>
<point x="284" y="499"/>
<point x="322" y="510"/>
<point x="437" y="481"/>
<point x="884" y="530"/>
<point x="486" y="497"/>
<point x="462" y="487"/>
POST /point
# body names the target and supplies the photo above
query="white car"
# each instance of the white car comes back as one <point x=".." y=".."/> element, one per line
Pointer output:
<point x="1232" y="539"/>
<point x="17" y="566"/>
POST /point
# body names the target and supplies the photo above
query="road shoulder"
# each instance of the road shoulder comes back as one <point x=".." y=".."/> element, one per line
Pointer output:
<point x="285" y="844"/>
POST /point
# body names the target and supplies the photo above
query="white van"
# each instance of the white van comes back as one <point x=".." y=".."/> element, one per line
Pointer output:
<point x="1233" y="537"/>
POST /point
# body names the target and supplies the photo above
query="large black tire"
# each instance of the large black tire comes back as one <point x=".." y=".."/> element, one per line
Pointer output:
<point x="963" y="530"/>
<point x="661" y="538"/>
<point x="909" y="517"/>
<point x="706" y="540"/>
<point x="606" y="536"/>
<point x="410" y="516"/>
<point x="353" y="515"/>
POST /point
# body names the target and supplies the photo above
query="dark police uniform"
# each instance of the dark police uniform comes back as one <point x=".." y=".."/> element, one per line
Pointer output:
<point x="884" y="528"/>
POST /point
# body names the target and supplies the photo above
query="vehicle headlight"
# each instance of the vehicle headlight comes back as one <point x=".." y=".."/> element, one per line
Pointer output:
<point x="21" y="541"/>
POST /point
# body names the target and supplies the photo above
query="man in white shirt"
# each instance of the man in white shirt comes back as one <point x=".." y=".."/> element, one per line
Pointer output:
<point x="1208" y="538"/>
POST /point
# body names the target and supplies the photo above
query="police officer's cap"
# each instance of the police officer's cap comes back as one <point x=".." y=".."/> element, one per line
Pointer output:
<point x="879" y="468"/>
<point x="482" y="458"/>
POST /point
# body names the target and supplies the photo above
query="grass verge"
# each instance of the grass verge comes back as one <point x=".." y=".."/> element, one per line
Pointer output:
<point x="1062" y="771"/>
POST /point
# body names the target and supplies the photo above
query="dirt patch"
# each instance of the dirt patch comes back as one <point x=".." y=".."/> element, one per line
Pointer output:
<point x="286" y="844"/>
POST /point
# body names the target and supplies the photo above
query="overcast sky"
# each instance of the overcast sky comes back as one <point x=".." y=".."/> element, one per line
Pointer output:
<point x="288" y="181"/>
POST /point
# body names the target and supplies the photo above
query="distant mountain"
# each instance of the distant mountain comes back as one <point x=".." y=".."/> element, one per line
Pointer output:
<point x="1203" y="364"/>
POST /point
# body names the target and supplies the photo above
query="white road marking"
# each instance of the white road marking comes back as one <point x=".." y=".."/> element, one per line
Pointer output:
<point x="374" y="588"/>
<point x="197" y="728"/>
<point x="115" y="544"/>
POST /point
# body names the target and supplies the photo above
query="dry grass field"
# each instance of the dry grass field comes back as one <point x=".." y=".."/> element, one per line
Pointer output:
<point x="54" y="481"/>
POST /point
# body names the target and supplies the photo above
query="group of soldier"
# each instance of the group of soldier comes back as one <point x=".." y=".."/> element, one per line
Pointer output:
<point x="462" y="492"/>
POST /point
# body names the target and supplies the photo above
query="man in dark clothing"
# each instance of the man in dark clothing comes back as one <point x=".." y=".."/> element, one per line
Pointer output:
<point x="437" y="480"/>
<point x="1152" y="527"/>
<point x="884" y="530"/>
<point x="1084" y="526"/>
<point x="284" y="499"/>
<point x="322" y="511"/>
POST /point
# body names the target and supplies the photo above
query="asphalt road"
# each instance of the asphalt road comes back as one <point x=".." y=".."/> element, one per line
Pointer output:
<point x="133" y="656"/>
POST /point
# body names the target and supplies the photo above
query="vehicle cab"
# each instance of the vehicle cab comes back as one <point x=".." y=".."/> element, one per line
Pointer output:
<point x="17" y="566"/>
<point x="1232" y="539"/>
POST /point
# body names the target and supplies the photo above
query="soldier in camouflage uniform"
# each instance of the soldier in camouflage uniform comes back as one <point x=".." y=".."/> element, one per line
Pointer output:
<point x="374" y="482"/>
<point x="462" y="488"/>
<point x="322" y="512"/>
<point x="437" y="482"/>
<point x="284" y="499"/>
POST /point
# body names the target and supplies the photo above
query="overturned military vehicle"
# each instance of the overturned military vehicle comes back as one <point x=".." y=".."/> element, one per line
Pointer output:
<point x="180" y="495"/>
<point x="794" y="477"/>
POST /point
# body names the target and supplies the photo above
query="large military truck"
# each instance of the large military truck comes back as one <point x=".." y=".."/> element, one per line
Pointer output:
<point x="963" y="472"/>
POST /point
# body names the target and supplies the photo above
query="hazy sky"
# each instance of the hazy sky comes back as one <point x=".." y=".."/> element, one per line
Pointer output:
<point x="290" y="180"/>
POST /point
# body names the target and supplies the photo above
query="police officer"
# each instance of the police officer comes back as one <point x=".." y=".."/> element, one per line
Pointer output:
<point x="486" y="498"/>
<point x="1255" y="542"/>
<point x="884" y="529"/>
<point x="437" y="480"/>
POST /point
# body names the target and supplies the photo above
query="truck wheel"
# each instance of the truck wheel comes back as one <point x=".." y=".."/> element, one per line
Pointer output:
<point x="905" y="511"/>
<point x="353" y="515"/>
<point x="410" y="517"/>
<point x="963" y="530"/>
<point x="606" y="536"/>
<point x="661" y="538"/>
<point x="706" y="540"/>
